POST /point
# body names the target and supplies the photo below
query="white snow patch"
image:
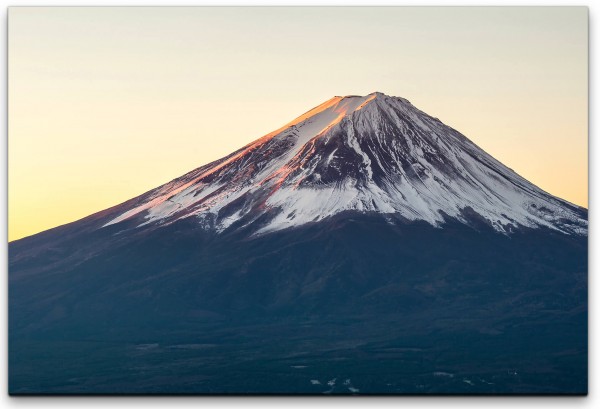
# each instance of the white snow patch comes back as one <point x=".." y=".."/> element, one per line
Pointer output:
<point x="423" y="191"/>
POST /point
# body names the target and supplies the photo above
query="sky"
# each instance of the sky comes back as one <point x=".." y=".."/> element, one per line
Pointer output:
<point x="107" y="103"/>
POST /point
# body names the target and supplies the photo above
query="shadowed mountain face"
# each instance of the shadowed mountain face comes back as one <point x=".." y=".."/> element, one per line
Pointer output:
<point x="363" y="248"/>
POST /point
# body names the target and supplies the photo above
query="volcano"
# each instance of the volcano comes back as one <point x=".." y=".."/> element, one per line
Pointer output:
<point x="364" y="247"/>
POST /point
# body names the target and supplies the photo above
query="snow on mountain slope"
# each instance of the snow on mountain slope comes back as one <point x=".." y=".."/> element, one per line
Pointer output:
<point x="371" y="154"/>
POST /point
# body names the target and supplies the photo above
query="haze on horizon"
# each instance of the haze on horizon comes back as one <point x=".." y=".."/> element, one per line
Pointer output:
<point x="107" y="103"/>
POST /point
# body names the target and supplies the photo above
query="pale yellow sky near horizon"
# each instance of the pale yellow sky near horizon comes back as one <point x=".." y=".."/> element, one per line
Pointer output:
<point x="107" y="103"/>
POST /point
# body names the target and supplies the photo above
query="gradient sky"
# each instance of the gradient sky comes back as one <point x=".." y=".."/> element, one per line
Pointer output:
<point x="107" y="103"/>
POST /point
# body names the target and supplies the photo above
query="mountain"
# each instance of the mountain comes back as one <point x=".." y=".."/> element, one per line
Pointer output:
<point x="365" y="247"/>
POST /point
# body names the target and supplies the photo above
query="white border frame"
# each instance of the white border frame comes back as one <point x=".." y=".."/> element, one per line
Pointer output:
<point x="592" y="400"/>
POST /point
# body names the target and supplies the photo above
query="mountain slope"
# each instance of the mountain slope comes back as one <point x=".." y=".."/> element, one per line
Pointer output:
<point x="369" y="154"/>
<point x="389" y="306"/>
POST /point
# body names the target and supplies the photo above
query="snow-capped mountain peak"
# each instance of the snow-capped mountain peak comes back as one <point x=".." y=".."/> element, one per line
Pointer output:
<point x="368" y="154"/>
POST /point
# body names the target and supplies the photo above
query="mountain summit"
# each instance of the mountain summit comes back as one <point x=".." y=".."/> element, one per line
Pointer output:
<point x="368" y="154"/>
